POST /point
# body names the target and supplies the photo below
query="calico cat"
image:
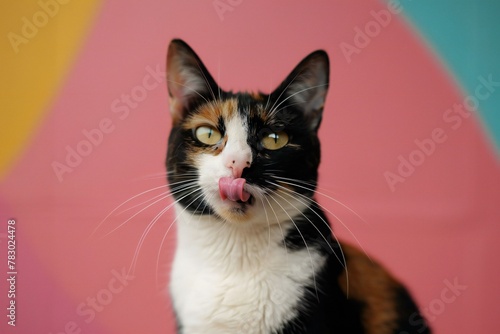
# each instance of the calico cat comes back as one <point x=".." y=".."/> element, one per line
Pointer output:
<point x="255" y="252"/>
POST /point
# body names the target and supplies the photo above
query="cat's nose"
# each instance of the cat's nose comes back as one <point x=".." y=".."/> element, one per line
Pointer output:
<point x="237" y="156"/>
<point x="237" y="162"/>
<point x="237" y="165"/>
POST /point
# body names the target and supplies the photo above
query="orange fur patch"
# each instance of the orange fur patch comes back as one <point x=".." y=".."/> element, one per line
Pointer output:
<point x="375" y="287"/>
<point x="209" y="113"/>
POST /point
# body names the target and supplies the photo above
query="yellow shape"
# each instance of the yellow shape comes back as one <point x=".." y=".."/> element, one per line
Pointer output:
<point x="38" y="42"/>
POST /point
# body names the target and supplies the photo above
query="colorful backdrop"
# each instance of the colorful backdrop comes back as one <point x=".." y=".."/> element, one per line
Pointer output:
<point x="411" y="135"/>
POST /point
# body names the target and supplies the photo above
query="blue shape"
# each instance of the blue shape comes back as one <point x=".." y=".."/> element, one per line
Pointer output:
<point x="466" y="36"/>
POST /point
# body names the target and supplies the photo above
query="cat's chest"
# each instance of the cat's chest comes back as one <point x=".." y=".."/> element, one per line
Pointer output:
<point x="237" y="285"/>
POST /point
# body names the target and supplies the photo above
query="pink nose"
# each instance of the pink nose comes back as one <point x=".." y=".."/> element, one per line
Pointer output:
<point x="237" y="166"/>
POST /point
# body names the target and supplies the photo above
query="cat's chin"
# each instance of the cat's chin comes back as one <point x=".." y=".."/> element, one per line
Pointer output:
<point x="236" y="211"/>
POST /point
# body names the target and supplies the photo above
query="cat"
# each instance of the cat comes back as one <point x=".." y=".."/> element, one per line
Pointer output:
<point x="255" y="252"/>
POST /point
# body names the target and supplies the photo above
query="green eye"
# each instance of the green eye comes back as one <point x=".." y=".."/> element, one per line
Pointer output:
<point x="208" y="135"/>
<point x="275" y="140"/>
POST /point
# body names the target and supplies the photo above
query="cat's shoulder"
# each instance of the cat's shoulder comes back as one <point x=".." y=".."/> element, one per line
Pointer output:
<point x="364" y="273"/>
<point x="386" y="302"/>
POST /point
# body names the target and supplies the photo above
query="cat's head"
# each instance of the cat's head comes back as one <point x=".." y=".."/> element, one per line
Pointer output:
<point x="244" y="157"/>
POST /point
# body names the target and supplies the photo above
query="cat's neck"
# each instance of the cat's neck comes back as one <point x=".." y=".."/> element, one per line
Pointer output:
<point x="244" y="272"/>
<point x="233" y="244"/>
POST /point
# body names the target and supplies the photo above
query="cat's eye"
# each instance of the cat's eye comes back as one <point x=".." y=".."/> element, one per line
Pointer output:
<point x="208" y="135"/>
<point x="275" y="140"/>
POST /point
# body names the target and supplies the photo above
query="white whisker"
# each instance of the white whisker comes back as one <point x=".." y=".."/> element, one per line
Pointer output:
<point x="286" y="191"/>
<point x="165" y="236"/>
<point x="277" y="221"/>
<point x="322" y="194"/>
<point x="150" y="226"/>
<point x="331" y="213"/>
<point x="174" y="191"/>
<point x="343" y="261"/>
<point x="305" y="244"/>
<point x="122" y="204"/>
<point x="166" y="195"/>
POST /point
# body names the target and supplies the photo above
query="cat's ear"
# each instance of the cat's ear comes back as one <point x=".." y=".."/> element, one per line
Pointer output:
<point x="188" y="80"/>
<point x="306" y="87"/>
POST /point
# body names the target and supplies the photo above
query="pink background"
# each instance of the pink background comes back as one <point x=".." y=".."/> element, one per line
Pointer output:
<point x="440" y="225"/>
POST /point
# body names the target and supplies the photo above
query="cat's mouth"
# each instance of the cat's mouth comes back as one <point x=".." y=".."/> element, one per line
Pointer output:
<point x="250" y="201"/>
<point x="233" y="189"/>
<point x="236" y="199"/>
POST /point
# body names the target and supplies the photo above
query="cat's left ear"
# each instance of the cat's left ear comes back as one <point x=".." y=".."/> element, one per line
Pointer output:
<point x="188" y="80"/>
<point x="306" y="87"/>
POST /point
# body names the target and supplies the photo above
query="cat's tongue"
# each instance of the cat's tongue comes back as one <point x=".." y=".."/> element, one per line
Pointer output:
<point x="233" y="189"/>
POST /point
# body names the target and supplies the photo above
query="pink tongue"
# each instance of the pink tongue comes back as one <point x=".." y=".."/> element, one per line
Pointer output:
<point x="232" y="189"/>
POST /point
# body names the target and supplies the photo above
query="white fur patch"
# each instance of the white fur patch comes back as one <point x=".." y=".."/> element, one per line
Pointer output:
<point x="236" y="146"/>
<point x="230" y="278"/>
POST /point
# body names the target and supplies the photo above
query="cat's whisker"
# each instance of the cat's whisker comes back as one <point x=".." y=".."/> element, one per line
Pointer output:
<point x="305" y="244"/>
<point x="122" y="204"/>
<point x="159" y="251"/>
<point x="205" y="205"/>
<point x="342" y="260"/>
<point x="150" y="226"/>
<point x="313" y="187"/>
<point x="173" y="191"/>
<point x="144" y="235"/>
<point x="268" y="225"/>
<point x="162" y="175"/>
<point x="277" y="221"/>
<point x="322" y="207"/>
<point x="270" y="163"/>
<point x="152" y="176"/>
<point x="307" y="202"/>
<point x="166" y="195"/>
<point x="204" y="202"/>
<point x="165" y="236"/>
<point x="133" y="198"/>
<point x="318" y="205"/>
<point x="322" y="194"/>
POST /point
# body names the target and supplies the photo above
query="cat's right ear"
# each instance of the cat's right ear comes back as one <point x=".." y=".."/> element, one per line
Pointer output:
<point x="306" y="87"/>
<point x="189" y="82"/>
